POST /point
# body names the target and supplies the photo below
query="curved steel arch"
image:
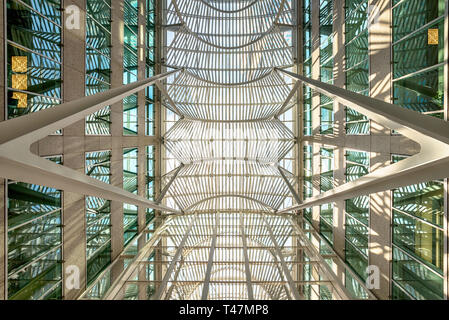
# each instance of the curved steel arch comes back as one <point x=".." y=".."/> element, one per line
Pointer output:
<point x="231" y="196"/>
<point x="229" y="11"/>
<point x="261" y="36"/>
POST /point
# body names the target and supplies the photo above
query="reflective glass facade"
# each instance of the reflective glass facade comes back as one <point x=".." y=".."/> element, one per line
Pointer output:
<point x="98" y="216"/>
<point x="149" y="66"/>
<point x="326" y="65"/>
<point x="418" y="240"/>
<point x="130" y="184"/>
<point x="357" y="61"/>
<point x="326" y="184"/>
<point x="34" y="241"/>
<point x="98" y="61"/>
<point x="307" y="68"/>
<point x="34" y="55"/>
<point x="130" y="59"/>
<point x="418" y="54"/>
<point x="356" y="220"/>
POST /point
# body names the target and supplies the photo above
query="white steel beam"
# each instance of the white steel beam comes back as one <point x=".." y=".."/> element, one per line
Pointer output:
<point x="249" y="284"/>
<point x="294" y="290"/>
<point x="18" y="163"/>
<point x="158" y="294"/>
<point x="210" y="262"/>
<point x="431" y="133"/>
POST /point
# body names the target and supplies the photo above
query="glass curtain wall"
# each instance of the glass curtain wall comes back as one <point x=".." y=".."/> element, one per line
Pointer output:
<point x="307" y="68"/>
<point x="130" y="183"/>
<point x="308" y="178"/>
<point x="356" y="221"/>
<point x="418" y="55"/>
<point x="33" y="56"/>
<point x="150" y="176"/>
<point x="418" y="84"/>
<point x="98" y="61"/>
<point x="326" y="65"/>
<point x="326" y="184"/>
<point x="34" y="241"/>
<point x="98" y="216"/>
<point x="357" y="61"/>
<point x="418" y="240"/>
<point x="130" y="52"/>
<point x="149" y="67"/>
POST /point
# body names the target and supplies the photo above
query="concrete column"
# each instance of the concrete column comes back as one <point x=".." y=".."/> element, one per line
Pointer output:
<point x="315" y="20"/>
<point x="339" y="128"/>
<point x="299" y="165"/>
<point x="117" y="33"/>
<point x="141" y="111"/>
<point x="158" y="116"/>
<point x="380" y="88"/>
<point x="74" y="232"/>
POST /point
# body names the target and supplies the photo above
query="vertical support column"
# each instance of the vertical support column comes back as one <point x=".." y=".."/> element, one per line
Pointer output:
<point x="380" y="88"/>
<point x="3" y="206"/>
<point x="299" y="116"/>
<point x="117" y="33"/>
<point x="315" y="20"/>
<point x="339" y="128"/>
<point x="142" y="168"/>
<point x="210" y="262"/>
<point x="74" y="217"/>
<point x="158" y="116"/>
<point x="249" y="284"/>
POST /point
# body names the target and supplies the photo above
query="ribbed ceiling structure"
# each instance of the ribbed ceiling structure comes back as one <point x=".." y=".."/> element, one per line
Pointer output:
<point x="229" y="141"/>
<point x="229" y="99"/>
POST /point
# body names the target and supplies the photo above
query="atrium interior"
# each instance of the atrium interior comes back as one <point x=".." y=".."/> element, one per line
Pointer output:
<point x="224" y="150"/>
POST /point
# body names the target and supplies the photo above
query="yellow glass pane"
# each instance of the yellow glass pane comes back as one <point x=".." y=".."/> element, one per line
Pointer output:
<point x="432" y="36"/>
<point x="22" y="97"/>
<point x="19" y="81"/>
<point x="19" y="63"/>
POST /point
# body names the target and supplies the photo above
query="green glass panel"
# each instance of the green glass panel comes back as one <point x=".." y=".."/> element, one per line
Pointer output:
<point x="421" y="240"/>
<point x="414" y="278"/>
<point x="34" y="83"/>
<point x="34" y="240"/>
<point x="98" y="61"/>
<point x="356" y="260"/>
<point x="410" y="15"/>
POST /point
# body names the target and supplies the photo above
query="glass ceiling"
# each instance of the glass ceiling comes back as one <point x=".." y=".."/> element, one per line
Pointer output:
<point x="229" y="140"/>
<point x="227" y="123"/>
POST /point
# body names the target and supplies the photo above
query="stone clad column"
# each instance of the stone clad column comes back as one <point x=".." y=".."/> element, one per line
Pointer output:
<point x="339" y="128"/>
<point x="315" y="20"/>
<point x="141" y="98"/>
<point x="117" y="42"/>
<point x="380" y="88"/>
<point x="74" y="220"/>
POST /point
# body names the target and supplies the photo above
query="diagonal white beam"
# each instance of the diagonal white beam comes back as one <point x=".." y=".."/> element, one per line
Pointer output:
<point x="210" y="262"/>
<point x="294" y="290"/>
<point x="290" y="187"/>
<point x="158" y="294"/>
<point x="431" y="133"/>
<point x="161" y="88"/>
<point x="249" y="284"/>
<point x="167" y="186"/>
<point x="17" y="135"/>
<point x="287" y="100"/>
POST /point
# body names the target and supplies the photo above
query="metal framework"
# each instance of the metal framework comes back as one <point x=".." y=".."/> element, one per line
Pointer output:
<point x="231" y="235"/>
